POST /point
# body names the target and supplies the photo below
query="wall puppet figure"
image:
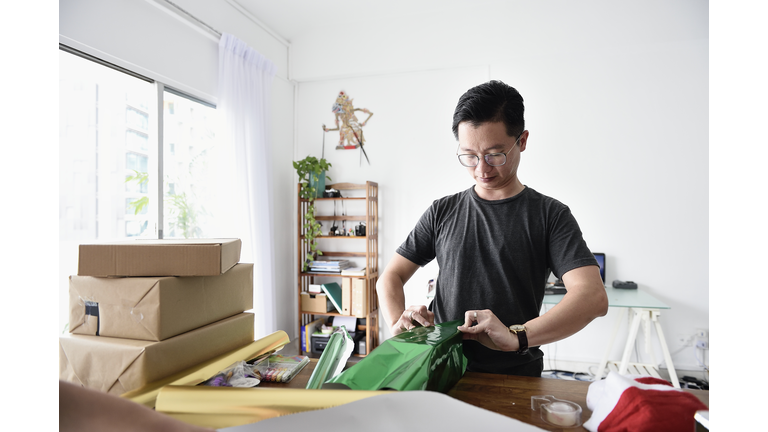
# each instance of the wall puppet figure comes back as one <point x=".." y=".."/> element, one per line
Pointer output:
<point x="350" y="129"/>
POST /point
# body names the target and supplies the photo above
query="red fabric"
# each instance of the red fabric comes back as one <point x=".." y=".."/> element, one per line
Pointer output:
<point x="652" y="380"/>
<point x="641" y="410"/>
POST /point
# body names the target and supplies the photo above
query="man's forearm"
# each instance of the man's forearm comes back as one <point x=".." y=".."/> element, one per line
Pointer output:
<point x="389" y="288"/>
<point x="585" y="300"/>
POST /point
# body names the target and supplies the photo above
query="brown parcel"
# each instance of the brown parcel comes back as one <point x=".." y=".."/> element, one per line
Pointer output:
<point x="117" y="366"/>
<point x="177" y="257"/>
<point x="156" y="308"/>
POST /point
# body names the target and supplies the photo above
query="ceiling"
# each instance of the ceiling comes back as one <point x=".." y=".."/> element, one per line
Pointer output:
<point x="292" y="18"/>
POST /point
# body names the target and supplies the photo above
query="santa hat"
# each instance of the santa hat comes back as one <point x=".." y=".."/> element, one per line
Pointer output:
<point x="639" y="404"/>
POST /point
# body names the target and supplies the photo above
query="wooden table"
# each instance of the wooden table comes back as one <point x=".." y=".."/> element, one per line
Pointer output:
<point x="504" y="394"/>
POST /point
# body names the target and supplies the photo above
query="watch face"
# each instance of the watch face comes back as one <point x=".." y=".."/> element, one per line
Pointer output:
<point x="517" y="328"/>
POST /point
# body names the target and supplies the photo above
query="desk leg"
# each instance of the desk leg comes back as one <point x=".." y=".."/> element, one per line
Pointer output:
<point x="630" y="341"/>
<point x="648" y="316"/>
<point x="665" y="350"/>
<point x="604" y="361"/>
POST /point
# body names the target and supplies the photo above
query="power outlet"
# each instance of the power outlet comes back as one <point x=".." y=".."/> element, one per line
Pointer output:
<point x="702" y="338"/>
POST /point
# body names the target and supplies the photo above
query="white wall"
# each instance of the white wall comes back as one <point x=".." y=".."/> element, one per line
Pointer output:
<point x="145" y="38"/>
<point x="617" y="106"/>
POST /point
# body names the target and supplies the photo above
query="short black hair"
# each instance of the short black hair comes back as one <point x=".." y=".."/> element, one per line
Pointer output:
<point x="493" y="101"/>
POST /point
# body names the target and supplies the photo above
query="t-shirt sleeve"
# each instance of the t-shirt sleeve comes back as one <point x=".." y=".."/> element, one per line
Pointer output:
<point x="567" y="248"/>
<point x="419" y="246"/>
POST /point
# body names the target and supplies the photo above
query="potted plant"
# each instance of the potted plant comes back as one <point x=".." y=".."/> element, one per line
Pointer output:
<point x="311" y="172"/>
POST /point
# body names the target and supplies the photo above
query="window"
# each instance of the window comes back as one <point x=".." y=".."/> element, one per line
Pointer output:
<point x="138" y="120"/>
<point x="137" y="140"/>
<point x="109" y="166"/>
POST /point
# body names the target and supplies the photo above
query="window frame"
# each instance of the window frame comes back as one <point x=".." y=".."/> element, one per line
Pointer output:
<point x="156" y="115"/>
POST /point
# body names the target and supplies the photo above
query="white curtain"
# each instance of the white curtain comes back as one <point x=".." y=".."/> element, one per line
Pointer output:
<point x="245" y="82"/>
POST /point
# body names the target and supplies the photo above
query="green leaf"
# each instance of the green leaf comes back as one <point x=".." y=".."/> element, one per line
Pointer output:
<point x="138" y="205"/>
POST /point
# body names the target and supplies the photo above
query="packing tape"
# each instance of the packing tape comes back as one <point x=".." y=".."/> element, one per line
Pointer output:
<point x="92" y="310"/>
<point x="557" y="412"/>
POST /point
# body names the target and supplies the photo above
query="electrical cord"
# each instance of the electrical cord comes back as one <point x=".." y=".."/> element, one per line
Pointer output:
<point x="567" y="375"/>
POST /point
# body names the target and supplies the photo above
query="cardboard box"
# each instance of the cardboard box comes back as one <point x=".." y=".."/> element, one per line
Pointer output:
<point x="319" y="303"/>
<point x="359" y="297"/>
<point x="156" y="308"/>
<point x="117" y="366"/>
<point x="176" y="257"/>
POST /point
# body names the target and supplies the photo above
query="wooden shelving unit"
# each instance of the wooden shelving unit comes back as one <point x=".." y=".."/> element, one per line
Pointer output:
<point x="371" y="255"/>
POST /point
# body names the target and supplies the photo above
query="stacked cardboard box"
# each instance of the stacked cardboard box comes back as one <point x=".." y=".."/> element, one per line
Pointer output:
<point x="143" y="310"/>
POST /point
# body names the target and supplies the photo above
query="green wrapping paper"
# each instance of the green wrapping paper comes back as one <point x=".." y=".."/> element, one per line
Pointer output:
<point x="333" y="359"/>
<point x="425" y="358"/>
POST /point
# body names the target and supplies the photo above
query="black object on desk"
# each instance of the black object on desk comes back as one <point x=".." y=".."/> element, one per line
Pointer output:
<point x="320" y="341"/>
<point x="557" y="288"/>
<point x="624" y="284"/>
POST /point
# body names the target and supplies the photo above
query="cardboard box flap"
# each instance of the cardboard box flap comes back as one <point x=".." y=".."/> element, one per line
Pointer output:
<point x="82" y="364"/>
<point x="94" y="308"/>
<point x="152" y="257"/>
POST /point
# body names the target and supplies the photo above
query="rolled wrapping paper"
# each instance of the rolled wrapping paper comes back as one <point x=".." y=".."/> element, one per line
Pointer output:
<point x="333" y="359"/>
<point x="220" y="407"/>
<point x="195" y="375"/>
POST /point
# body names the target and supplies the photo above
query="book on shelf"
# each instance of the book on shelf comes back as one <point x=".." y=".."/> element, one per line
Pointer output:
<point x="333" y="290"/>
<point x="321" y="263"/>
<point x="315" y="266"/>
<point x="353" y="271"/>
<point x="306" y="333"/>
<point x="324" y="270"/>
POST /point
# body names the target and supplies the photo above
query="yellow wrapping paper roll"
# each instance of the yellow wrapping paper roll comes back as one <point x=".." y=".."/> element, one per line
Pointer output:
<point x="220" y="407"/>
<point x="195" y="375"/>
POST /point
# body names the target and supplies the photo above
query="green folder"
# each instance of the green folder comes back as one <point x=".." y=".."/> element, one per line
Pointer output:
<point x="333" y="291"/>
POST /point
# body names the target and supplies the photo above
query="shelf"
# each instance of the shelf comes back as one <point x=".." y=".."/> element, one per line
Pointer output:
<point x="343" y="254"/>
<point x="340" y="218"/>
<point x="367" y="251"/>
<point x="336" y="199"/>
<point x="338" y="314"/>
<point x="366" y="276"/>
<point x="341" y="237"/>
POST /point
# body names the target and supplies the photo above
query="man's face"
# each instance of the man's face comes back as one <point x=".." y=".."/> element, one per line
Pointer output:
<point x="493" y="182"/>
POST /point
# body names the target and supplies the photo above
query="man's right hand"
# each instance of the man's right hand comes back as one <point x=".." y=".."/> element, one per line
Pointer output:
<point x="414" y="316"/>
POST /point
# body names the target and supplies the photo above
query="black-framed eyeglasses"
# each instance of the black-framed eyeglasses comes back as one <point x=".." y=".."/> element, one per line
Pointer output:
<point x="492" y="159"/>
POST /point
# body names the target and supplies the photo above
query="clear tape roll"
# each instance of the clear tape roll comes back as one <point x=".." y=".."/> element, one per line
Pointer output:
<point x="557" y="412"/>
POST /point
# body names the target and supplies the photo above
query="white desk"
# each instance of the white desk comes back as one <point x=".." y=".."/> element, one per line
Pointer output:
<point x="646" y="309"/>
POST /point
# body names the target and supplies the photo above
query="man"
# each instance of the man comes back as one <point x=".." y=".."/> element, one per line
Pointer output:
<point x="495" y="244"/>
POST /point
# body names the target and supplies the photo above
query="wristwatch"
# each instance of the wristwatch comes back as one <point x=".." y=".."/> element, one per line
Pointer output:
<point x="519" y="330"/>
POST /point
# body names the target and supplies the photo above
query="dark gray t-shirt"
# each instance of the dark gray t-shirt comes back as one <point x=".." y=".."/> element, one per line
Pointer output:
<point x="495" y="255"/>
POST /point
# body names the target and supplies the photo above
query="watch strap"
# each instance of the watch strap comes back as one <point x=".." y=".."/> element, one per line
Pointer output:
<point x="522" y="338"/>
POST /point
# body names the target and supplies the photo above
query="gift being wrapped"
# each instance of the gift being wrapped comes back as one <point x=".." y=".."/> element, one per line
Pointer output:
<point x="424" y="358"/>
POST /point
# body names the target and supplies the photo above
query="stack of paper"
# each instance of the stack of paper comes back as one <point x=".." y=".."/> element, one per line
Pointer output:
<point x="330" y="266"/>
<point x="353" y="271"/>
